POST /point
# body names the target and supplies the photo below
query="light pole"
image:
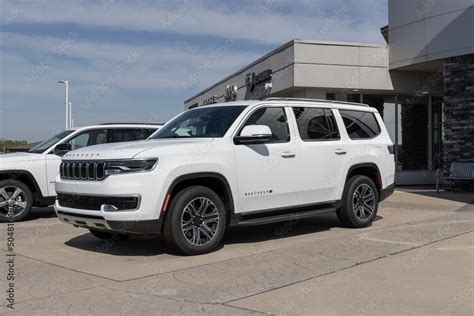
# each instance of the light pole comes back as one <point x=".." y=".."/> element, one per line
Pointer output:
<point x="71" y="125"/>
<point x="67" y="102"/>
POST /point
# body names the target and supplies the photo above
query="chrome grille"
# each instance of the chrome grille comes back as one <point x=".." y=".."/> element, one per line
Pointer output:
<point x="82" y="170"/>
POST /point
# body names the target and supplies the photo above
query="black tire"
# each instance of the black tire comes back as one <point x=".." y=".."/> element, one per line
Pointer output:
<point x="353" y="212"/>
<point x="8" y="188"/>
<point x="100" y="234"/>
<point x="201" y="232"/>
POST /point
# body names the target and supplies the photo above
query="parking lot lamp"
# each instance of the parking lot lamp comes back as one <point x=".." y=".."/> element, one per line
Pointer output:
<point x="67" y="102"/>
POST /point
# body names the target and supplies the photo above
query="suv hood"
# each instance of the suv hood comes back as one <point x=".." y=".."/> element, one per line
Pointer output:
<point x="129" y="150"/>
<point x="22" y="156"/>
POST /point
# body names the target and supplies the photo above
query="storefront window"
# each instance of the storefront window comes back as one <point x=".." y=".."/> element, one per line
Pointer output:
<point x="412" y="143"/>
<point x="436" y="132"/>
<point x="346" y="97"/>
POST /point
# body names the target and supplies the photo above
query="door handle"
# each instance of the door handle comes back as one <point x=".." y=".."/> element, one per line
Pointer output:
<point x="288" y="155"/>
<point x="340" y="152"/>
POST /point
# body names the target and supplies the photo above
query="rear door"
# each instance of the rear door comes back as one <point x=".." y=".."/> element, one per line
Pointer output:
<point x="321" y="154"/>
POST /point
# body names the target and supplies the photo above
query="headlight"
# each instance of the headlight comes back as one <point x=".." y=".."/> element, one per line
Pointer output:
<point x="132" y="165"/>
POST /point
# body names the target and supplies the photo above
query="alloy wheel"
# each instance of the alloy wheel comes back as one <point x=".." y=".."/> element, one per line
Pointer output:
<point x="363" y="201"/>
<point x="200" y="221"/>
<point x="13" y="201"/>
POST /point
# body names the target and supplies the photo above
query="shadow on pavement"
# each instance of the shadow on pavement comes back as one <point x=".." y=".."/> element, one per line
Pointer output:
<point x="297" y="227"/>
<point x="40" y="212"/>
<point x="466" y="196"/>
<point x="135" y="246"/>
<point x="151" y="246"/>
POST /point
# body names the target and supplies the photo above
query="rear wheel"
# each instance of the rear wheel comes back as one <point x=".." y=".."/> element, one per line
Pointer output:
<point x="108" y="235"/>
<point x="16" y="200"/>
<point x="359" y="203"/>
<point x="196" y="221"/>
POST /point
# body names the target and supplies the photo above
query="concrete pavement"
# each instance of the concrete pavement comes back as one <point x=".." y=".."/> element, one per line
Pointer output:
<point x="416" y="258"/>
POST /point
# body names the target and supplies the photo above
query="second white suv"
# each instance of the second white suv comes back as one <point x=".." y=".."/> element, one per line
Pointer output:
<point x="27" y="178"/>
<point x="238" y="163"/>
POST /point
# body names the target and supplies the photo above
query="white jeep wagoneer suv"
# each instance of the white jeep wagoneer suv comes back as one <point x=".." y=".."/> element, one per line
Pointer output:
<point x="238" y="163"/>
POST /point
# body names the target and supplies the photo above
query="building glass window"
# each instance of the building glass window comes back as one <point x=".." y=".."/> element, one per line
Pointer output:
<point x="345" y="97"/>
<point x="316" y="124"/>
<point x="437" y="132"/>
<point x="412" y="143"/>
<point x="375" y="101"/>
<point x="360" y="125"/>
<point x="275" y="118"/>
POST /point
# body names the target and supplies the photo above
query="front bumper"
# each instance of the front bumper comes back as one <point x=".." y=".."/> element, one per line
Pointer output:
<point x="99" y="223"/>
<point x="145" y="218"/>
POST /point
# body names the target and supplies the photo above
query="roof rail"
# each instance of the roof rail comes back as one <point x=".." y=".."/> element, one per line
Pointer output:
<point x="314" y="100"/>
<point x="128" y="123"/>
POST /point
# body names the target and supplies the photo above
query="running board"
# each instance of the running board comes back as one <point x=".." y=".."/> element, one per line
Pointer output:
<point x="275" y="218"/>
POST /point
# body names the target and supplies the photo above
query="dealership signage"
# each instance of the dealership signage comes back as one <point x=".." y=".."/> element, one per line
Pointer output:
<point x="230" y="93"/>
<point x="212" y="99"/>
<point x="254" y="79"/>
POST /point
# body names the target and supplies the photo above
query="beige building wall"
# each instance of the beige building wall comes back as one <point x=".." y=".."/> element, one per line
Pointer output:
<point x="309" y="69"/>
<point x="422" y="31"/>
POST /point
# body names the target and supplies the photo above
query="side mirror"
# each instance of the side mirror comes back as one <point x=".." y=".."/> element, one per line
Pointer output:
<point x="254" y="134"/>
<point x="62" y="149"/>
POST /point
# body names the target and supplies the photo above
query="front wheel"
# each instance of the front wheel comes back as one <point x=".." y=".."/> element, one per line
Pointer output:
<point x="196" y="221"/>
<point x="359" y="202"/>
<point x="16" y="200"/>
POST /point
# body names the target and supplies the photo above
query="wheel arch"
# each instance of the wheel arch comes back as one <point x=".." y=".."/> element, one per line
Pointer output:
<point x="213" y="180"/>
<point x="27" y="178"/>
<point x="370" y="170"/>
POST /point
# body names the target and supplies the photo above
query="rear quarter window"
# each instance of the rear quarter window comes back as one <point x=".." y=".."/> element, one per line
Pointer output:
<point x="359" y="124"/>
<point x="316" y="124"/>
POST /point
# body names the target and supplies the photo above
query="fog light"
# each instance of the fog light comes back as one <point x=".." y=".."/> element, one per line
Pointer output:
<point x="108" y="208"/>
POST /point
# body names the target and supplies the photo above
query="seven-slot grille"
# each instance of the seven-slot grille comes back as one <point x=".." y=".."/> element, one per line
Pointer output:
<point x="82" y="170"/>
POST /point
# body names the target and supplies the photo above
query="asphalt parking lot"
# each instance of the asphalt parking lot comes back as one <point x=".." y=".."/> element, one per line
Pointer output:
<point x="417" y="258"/>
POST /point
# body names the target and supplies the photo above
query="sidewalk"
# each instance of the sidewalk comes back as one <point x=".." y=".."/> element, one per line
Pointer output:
<point x="433" y="280"/>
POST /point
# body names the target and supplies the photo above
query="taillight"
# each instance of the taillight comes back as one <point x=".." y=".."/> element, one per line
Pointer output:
<point x="391" y="149"/>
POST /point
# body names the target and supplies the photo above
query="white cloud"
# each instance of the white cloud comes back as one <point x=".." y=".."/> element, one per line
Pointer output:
<point x="263" y="21"/>
<point x="123" y="81"/>
<point x="88" y="63"/>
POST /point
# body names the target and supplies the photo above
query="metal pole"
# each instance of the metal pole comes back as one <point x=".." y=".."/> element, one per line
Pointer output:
<point x="70" y="115"/>
<point x="67" y="103"/>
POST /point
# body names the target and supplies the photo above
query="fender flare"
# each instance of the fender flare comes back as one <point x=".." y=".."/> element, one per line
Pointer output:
<point x="372" y="165"/>
<point x="16" y="173"/>
<point x="198" y="175"/>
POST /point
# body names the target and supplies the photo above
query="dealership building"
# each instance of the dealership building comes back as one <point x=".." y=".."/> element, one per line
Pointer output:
<point x="421" y="81"/>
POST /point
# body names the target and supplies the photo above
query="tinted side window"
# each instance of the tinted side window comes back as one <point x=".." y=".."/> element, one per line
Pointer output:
<point x="88" y="138"/>
<point x="143" y="133"/>
<point x="316" y="124"/>
<point x="276" y="119"/>
<point x="121" y="135"/>
<point x="360" y="125"/>
<point x="80" y="141"/>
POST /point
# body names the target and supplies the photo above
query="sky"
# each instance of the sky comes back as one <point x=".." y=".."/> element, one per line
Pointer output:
<point x="137" y="61"/>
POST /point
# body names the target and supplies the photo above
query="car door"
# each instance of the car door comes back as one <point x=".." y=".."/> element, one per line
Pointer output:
<point x="321" y="154"/>
<point x="266" y="171"/>
<point x="81" y="139"/>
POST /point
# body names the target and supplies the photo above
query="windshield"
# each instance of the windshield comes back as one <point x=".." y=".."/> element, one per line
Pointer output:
<point x="201" y="122"/>
<point x="44" y="145"/>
